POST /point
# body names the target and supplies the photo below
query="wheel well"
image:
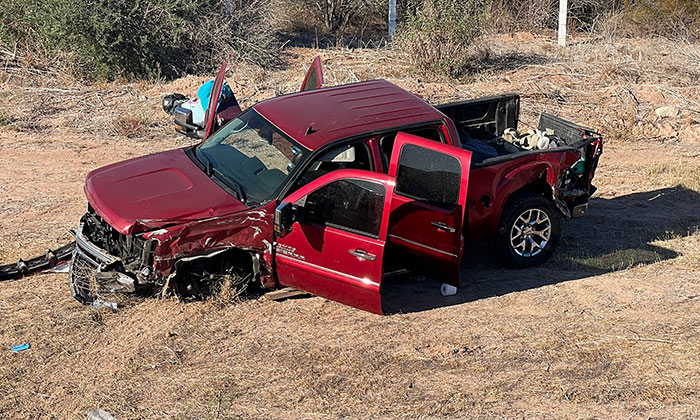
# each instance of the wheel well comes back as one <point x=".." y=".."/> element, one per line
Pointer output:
<point x="214" y="263"/>
<point x="539" y="186"/>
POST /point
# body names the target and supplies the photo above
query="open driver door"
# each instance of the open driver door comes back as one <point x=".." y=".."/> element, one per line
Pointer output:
<point x="331" y="234"/>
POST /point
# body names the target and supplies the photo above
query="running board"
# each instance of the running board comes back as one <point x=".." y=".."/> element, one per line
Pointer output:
<point x="286" y="293"/>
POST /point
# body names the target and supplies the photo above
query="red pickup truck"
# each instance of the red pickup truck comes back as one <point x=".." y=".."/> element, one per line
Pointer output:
<point x="326" y="191"/>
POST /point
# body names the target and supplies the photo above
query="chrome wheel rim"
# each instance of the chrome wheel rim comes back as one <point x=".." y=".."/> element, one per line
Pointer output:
<point x="530" y="233"/>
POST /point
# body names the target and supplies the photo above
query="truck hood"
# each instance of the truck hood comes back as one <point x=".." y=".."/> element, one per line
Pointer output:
<point x="154" y="191"/>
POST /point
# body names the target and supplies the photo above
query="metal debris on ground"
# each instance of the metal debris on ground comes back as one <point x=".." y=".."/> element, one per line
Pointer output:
<point x="97" y="414"/>
<point x="99" y="304"/>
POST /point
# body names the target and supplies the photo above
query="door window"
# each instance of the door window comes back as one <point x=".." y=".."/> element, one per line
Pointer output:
<point x="386" y="143"/>
<point x="349" y="204"/>
<point x="354" y="156"/>
<point x="428" y="175"/>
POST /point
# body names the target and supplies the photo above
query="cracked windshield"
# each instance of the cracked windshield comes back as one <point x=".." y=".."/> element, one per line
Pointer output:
<point x="251" y="156"/>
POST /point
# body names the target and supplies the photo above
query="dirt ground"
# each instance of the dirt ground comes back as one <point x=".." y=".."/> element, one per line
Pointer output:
<point x="610" y="328"/>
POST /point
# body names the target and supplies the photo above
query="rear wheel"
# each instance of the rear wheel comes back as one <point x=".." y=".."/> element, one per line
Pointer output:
<point x="529" y="230"/>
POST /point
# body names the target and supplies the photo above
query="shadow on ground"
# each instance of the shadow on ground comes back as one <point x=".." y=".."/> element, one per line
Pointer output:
<point x="616" y="234"/>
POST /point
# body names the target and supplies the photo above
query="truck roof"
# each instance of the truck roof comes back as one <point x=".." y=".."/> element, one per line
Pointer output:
<point x="314" y="118"/>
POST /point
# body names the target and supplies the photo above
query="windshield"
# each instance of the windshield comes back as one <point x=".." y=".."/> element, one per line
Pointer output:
<point x="251" y="156"/>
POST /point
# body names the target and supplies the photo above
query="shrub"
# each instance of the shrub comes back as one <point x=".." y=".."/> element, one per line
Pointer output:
<point x="508" y="16"/>
<point x="670" y="18"/>
<point x="438" y="37"/>
<point x="105" y="39"/>
<point x="336" y="19"/>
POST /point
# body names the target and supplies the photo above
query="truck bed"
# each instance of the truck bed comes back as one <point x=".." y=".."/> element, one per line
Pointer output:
<point x="484" y="120"/>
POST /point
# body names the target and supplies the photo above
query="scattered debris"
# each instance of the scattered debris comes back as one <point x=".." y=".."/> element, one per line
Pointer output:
<point x="667" y="111"/>
<point x="448" y="290"/>
<point x="97" y="414"/>
<point x="51" y="259"/>
<point x="16" y="348"/>
<point x="99" y="304"/>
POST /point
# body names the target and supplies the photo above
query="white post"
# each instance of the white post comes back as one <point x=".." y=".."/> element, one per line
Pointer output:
<point x="562" y="22"/>
<point x="392" y="19"/>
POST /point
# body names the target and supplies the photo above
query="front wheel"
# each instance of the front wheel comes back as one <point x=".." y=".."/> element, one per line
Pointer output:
<point x="529" y="230"/>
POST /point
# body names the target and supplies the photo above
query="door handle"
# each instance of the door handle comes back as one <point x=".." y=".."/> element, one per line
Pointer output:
<point x="443" y="226"/>
<point x="360" y="253"/>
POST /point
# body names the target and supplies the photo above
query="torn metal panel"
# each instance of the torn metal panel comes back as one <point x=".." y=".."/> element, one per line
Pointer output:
<point x="248" y="231"/>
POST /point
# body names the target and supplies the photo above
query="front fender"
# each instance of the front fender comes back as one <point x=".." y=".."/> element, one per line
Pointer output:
<point x="250" y="231"/>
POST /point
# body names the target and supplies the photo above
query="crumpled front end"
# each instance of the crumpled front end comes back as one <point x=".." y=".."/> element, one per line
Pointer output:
<point x="106" y="261"/>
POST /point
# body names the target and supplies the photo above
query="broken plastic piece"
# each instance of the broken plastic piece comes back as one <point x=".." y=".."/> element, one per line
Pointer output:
<point x="448" y="290"/>
<point x="579" y="166"/>
<point x="20" y="347"/>
<point x="97" y="414"/>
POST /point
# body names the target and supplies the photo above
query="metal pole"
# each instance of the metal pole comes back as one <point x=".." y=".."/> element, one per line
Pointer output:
<point x="392" y="19"/>
<point x="563" y="7"/>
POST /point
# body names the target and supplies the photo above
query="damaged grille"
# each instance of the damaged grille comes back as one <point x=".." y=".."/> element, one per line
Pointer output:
<point x="82" y="278"/>
<point x="106" y="262"/>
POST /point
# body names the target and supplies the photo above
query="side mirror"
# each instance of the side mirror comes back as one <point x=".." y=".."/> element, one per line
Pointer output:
<point x="284" y="219"/>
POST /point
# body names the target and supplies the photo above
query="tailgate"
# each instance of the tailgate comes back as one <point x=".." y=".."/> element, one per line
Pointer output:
<point x="590" y="144"/>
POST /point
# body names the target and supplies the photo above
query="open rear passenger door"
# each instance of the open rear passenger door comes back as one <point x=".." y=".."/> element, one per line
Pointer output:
<point x="428" y="206"/>
<point x="314" y="76"/>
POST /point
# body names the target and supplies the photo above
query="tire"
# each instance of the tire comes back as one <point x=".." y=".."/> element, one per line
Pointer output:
<point x="529" y="230"/>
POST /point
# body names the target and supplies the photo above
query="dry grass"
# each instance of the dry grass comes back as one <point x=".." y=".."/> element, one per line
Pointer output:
<point x="609" y="329"/>
<point x="675" y="173"/>
<point x="129" y="127"/>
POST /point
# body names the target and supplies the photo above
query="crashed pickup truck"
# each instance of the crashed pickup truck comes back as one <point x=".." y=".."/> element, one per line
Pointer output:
<point x="330" y="189"/>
